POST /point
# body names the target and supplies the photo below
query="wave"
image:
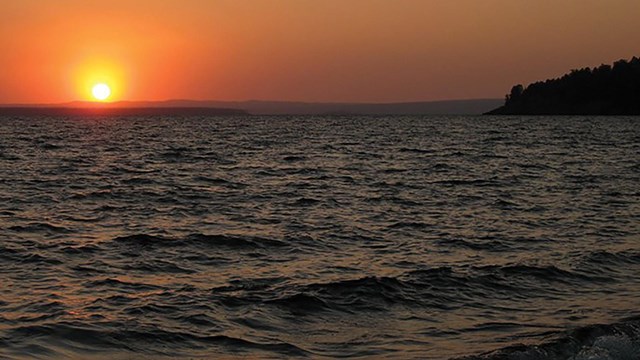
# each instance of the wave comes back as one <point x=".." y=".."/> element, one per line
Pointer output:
<point x="306" y="202"/>
<point x="540" y="273"/>
<point x="411" y="225"/>
<point x="158" y="266"/>
<point x="491" y="245"/>
<point x="23" y="257"/>
<point x="613" y="258"/>
<point x="392" y="199"/>
<point x="138" y="180"/>
<point x="220" y="182"/>
<point x="469" y="182"/>
<point x="39" y="228"/>
<point x="121" y="284"/>
<point x="147" y="340"/>
<point x="619" y="341"/>
<point x="439" y="288"/>
<point x="416" y="150"/>
<point x="201" y="240"/>
<point x="369" y="293"/>
<point x="93" y="195"/>
<point x="294" y="158"/>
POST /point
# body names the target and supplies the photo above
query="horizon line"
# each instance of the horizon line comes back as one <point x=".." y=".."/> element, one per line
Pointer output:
<point x="107" y="103"/>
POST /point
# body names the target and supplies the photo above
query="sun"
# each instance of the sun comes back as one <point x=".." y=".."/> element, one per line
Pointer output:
<point x="101" y="91"/>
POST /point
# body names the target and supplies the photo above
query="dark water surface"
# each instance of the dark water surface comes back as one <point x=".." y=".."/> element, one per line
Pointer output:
<point x="274" y="237"/>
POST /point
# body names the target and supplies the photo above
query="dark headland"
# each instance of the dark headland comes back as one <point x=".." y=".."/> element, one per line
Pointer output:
<point x="603" y="90"/>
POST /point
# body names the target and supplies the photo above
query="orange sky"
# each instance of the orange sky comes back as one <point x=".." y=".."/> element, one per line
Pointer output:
<point x="310" y="50"/>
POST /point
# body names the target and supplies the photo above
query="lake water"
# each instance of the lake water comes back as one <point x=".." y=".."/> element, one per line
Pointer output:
<point x="320" y="237"/>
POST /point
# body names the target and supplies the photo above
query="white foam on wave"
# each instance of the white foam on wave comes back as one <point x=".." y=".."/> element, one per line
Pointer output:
<point x="611" y="347"/>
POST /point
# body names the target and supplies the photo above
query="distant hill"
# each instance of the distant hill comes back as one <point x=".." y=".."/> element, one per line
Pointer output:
<point x="604" y="90"/>
<point x="169" y="107"/>
<point x="450" y="107"/>
<point x="116" y="111"/>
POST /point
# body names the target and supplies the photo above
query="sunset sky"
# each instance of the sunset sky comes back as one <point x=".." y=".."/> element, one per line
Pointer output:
<point x="307" y="50"/>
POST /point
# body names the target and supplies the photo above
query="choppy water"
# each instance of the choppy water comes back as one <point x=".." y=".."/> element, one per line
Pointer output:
<point x="273" y="237"/>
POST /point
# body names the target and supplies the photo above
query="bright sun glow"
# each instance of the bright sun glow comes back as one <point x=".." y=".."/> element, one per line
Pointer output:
<point x="101" y="91"/>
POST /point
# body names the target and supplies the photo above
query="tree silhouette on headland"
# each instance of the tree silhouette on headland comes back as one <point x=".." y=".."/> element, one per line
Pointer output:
<point x="604" y="90"/>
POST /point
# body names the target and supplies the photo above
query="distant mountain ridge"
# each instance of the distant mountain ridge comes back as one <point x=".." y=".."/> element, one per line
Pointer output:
<point x="257" y="107"/>
<point x="603" y="90"/>
<point x="45" y="110"/>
